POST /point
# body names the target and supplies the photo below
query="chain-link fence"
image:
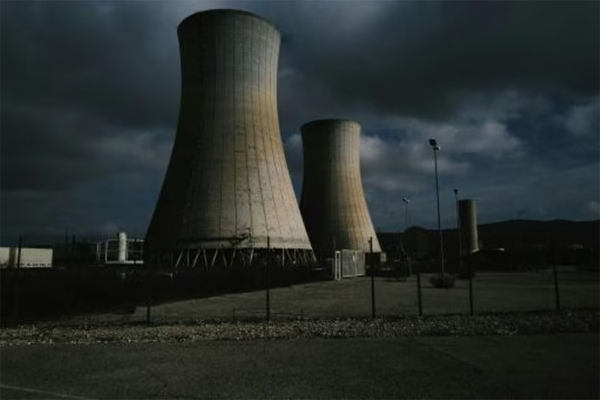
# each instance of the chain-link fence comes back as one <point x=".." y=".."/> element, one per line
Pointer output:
<point x="104" y="278"/>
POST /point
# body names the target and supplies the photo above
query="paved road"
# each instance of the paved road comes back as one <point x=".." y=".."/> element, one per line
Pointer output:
<point x="550" y="366"/>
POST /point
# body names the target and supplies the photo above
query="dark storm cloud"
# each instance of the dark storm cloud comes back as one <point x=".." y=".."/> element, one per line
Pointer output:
<point x="90" y="95"/>
<point x="416" y="59"/>
<point x="100" y="58"/>
<point x="116" y="64"/>
<point x="76" y="78"/>
<point x="56" y="148"/>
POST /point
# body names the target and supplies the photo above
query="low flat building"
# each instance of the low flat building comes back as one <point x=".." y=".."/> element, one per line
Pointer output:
<point x="11" y="257"/>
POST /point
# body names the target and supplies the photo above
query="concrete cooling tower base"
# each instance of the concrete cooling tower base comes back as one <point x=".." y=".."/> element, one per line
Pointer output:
<point x="228" y="257"/>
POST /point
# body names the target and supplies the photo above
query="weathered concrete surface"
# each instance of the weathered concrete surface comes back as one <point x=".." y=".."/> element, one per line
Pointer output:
<point x="333" y="203"/>
<point x="227" y="183"/>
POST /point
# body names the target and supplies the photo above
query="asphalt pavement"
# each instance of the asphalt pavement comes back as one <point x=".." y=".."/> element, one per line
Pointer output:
<point x="530" y="366"/>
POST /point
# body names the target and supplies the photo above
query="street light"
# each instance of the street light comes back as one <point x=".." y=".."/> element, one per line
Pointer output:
<point x="436" y="148"/>
<point x="460" y="252"/>
<point x="406" y="201"/>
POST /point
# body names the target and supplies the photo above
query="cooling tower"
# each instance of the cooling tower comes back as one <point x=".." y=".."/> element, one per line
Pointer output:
<point x="333" y="203"/>
<point x="467" y="213"/>
<point x="227" y="191"/>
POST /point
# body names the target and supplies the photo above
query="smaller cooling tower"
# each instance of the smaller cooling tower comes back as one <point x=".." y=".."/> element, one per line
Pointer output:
<point x="333" y="203"/>
<point x="467" y="212"/>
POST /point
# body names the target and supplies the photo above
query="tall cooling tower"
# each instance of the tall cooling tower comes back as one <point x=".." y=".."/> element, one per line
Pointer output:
<point x="467" y="213"/>
<point x="227" y="192"/>
<point x="333" y="203"/>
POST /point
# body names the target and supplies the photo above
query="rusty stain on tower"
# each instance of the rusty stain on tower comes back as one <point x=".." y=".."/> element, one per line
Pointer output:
<point x="333" y="202"/>
<point x="227" y="192"/>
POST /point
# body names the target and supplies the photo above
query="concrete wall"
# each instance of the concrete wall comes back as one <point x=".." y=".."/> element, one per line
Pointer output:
<point x="227" y="183"/>
<point x="467" y="212"/>
<point x="333" y="203"/>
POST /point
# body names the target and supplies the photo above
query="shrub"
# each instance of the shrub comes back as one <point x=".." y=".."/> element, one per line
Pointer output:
<point x="442" y="280"/>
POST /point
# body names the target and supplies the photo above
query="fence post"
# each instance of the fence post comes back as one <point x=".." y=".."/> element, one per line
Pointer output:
<point x="17" y="281"/>
<point x="555" y="274"/>
<point x="73" y="255"/>
<point x="372" y="264"/>
<point x="148" y="291"/>
<point x="148" y="298"/>
<point x="470" y="272"/>
<point x="419" y="296"/>
<point x="66" y="256"/>
<point x="19" y="251"/>
<point x="267" y="279"/>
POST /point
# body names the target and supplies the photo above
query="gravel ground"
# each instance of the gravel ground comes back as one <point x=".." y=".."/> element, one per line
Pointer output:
<point x="499" y="324"/>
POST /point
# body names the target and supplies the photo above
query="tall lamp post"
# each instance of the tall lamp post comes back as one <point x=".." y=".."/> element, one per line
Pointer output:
<point x="460" y="251"/>
<point x="406" y="201"/>
<point x="436" y="148"/>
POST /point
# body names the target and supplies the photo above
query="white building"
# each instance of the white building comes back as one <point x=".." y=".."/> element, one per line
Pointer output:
<point x="28" y="257"/>
<point x="120" y="251"/>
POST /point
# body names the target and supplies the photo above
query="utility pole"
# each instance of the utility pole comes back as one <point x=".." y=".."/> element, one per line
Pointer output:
<point x="267" y="279"/>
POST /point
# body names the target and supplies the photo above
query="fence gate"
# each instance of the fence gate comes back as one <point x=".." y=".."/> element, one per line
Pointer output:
<point x="337" y="266"/>
<point x="352" y="263"/>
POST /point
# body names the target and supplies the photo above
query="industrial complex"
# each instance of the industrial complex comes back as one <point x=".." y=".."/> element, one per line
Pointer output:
<point x="228" y="223"/>
<point x="227" y="198"/>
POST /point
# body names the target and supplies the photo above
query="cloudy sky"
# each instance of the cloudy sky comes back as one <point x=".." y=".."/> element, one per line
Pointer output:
<point x="90" y="96"/>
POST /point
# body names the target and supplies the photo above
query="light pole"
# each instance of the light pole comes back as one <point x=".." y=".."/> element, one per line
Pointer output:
<point x="406" y="201"/>
<point x="460" y="252"/>
<point x="436" y="148"/>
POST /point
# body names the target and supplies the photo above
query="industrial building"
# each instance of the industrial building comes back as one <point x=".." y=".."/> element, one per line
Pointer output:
<point x="227" y="195"/>
<point x="120" y="251"/>
<point x="24" y="257"/>
<point x="333" y="203"/>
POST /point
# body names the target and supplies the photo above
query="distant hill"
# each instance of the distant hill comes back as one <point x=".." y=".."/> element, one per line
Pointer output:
<point x="510" y="235"/>
<point x="527" y="233"/>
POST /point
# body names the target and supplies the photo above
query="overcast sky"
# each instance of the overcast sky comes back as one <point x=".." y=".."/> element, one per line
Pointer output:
<point x="90" y="96"/>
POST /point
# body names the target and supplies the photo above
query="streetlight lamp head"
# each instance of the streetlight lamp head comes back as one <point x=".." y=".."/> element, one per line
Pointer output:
<point x="406" y="200"/>
<point x="432" y="142"/>
<point x="455" y="191"/>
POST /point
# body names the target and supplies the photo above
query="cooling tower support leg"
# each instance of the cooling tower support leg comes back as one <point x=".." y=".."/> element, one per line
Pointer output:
<point x="212" y="263"/>
<point x="196" y="257"/>
<point x="204" y="255"/>
<point x="228" y="258"/>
